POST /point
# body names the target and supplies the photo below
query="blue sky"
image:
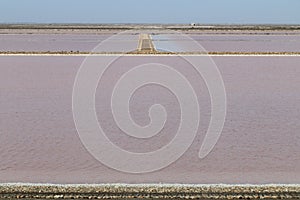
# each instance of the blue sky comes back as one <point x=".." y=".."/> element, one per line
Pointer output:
<point x="147" y="11"/>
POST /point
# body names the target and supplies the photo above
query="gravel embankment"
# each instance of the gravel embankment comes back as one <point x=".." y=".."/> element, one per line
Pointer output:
<point x="162" y="191"/>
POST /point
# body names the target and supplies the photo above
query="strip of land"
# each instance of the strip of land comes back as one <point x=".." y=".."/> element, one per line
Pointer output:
<point x="115" y="28"/>
<point x="158" y="191"/>
<point x="145" y="50"/>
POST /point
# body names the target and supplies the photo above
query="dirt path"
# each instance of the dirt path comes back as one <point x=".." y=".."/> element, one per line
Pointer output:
<point x="145" y="43"/>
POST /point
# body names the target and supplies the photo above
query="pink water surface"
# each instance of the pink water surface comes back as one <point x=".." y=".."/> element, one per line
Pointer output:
<point x="249" y="43"/>
<point x="259" y="143"/>
<point x="211" y="42"/>
<point x="50" y="42"/>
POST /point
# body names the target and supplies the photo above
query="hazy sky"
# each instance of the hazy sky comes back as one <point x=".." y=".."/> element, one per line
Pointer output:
<point x="147" y="11"/>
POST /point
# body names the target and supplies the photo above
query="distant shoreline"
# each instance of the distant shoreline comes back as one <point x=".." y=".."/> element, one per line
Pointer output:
<point x="151" y="26"/>
<point x="117" y="28"/>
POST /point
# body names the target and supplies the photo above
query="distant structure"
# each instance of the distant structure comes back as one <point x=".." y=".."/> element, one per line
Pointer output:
<point x="193" y="24"/>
